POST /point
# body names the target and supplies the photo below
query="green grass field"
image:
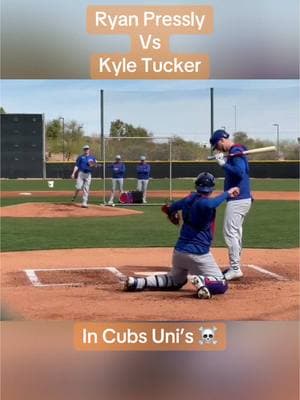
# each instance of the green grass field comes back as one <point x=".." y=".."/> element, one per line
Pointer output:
<point x="130" y="184"/>
<point x="270" y="224"/>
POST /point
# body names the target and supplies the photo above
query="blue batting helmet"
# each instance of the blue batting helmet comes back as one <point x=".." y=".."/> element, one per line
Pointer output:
<point x="218" y="135"/>
<point x="205" y="182"/>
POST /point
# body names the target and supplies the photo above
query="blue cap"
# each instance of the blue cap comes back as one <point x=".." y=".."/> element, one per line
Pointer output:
<point x="218" y="135"/>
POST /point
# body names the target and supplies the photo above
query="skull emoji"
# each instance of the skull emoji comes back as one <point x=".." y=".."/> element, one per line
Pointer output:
<point x="207" y="335"/>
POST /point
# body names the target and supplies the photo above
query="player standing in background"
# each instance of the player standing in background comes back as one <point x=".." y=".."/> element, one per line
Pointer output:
<point x="118" y="173"/>
<point x="236" y="168"/>
<point x="143" y="175"/>
<point x="192" y="251"/>
<point x="84" y="164"/>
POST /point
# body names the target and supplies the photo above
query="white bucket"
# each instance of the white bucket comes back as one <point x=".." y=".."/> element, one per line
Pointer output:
<point x="51" y="184"/>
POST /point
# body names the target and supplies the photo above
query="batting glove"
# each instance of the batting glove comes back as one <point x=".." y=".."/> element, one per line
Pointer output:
<point x="221" y="160"/>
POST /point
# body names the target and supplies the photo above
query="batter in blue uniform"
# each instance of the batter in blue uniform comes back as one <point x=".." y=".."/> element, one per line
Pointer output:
<point x="237" y="173"/>
<point x="143" y="175"/>
<point x="118" y="173"/>
<point x="192" y="254"/>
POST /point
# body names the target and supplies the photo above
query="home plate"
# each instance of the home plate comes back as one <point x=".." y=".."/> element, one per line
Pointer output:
<point x="146" y="273"/>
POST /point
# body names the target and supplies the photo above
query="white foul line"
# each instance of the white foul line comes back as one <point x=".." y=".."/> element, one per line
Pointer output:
<point x="265" y="271"/>
<point x="147" y="273"/>
<point x="69" y="269"/>
<point x="116" y="272"/>
<point x="32" y="276"/>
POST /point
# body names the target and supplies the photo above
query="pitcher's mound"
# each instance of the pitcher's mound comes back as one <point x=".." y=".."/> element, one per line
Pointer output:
<point x="63" y="210"/>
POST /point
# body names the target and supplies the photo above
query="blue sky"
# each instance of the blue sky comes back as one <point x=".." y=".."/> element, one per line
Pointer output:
<point x="163" y="107"/>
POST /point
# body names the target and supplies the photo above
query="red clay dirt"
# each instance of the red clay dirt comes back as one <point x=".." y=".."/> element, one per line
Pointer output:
<point x="258" y="195"/>
<point x="60" y="210"/>
<point x="258" y="296"/>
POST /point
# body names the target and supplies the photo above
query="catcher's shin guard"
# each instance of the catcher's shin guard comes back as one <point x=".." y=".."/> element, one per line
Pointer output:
<point x="208" y="285"/>
<point x="133" y="284"/>
<point x="163" y="282"/>
<point x="153" y="282"/>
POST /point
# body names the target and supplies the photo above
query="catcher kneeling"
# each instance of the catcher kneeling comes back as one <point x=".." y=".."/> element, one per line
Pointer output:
<point x="192" y="254"/>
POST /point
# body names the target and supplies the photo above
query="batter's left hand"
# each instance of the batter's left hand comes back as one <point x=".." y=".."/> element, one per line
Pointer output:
<point x="220" y="158"/>
<point x="234" y="192"/>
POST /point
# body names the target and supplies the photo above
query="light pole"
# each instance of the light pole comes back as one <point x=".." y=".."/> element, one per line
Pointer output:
<point x="63" y="136"/>
<point x="211" y="115"/>
<point x="277" y="136"/>
<point x="102" y="123"/>
<point x="235" y="117"/>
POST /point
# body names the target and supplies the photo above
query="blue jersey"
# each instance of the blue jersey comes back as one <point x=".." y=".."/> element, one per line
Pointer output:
<point x="198" y="215"/>
<point x="237" y="173"/>
<point x="143" y="171"/>
<point x="118" y="170"/>
<point x="82" y="163"/>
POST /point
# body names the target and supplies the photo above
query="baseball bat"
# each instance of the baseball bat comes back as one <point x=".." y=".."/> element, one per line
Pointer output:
<point x="253" y="151"/>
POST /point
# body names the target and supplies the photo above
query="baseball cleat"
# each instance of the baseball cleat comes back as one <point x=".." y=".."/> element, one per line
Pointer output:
<point x="203" y="293"/>
<point x="130" y="284"/>
<point x="233" y="274"/>
<point x="197" y="281"/>
<point x="84" y="206"/>
<point x="110" y="203"/>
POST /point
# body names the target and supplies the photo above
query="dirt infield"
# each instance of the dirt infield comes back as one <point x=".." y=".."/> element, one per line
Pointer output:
<point x="258" y="195"/>
<point x="59" y="210"/>
<point x="84" y="284"/>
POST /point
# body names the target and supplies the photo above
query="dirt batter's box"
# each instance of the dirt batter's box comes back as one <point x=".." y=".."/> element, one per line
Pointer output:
<point x="53" y="277"/>
<point x="77" y="277"/>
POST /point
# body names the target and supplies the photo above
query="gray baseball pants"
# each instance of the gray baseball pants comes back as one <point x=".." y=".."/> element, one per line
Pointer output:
<point x="83" y="183"/>
<point x="116" y="182"/>
<point x="183" y="264"/>
<point x="142" y="185"/>
<point x="235" y="213"/>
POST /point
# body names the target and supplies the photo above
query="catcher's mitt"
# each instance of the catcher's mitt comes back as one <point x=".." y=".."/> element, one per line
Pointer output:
<point x="92" y="163"/>
<point x="174" y="217"/>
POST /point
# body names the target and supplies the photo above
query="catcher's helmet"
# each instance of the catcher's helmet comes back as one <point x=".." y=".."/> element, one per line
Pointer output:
<point x="205" y="182"/>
